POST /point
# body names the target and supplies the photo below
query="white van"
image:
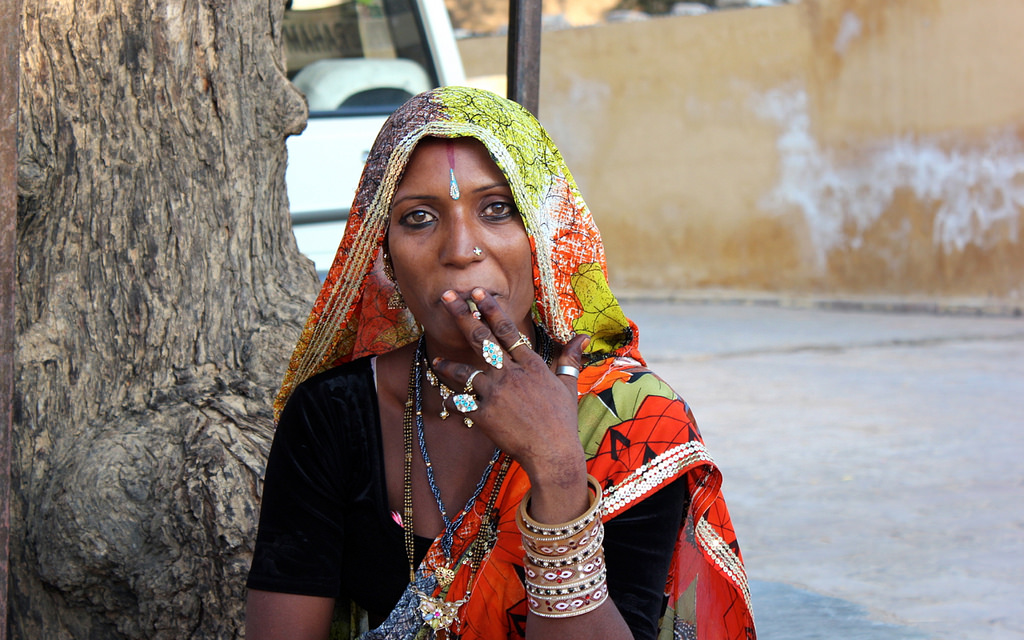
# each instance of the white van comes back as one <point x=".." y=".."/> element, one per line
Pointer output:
<point x="356" y="61"/>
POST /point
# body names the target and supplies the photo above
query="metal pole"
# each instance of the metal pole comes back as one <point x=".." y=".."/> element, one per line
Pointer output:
<point x="10" y="41"/>
<point x="524" y="53"/>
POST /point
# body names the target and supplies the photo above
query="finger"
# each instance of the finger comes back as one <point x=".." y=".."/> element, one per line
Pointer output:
<point x="568" y="365"/>
<point x="459" y="375"/>
<point x="468" y="401"/>
<point x="472" y="328"/>
<point x="457" y="307"/>
<point x="501" y="325"/>
<point x="521" y="341"/>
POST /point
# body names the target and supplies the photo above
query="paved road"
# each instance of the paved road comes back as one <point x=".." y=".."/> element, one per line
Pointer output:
<point x="874" y="463"/>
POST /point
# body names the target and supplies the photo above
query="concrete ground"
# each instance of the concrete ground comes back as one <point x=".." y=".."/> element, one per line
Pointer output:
<point x="873" y="462"/>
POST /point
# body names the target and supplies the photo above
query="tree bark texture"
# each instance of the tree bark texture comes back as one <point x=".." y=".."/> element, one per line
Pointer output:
<point x="10" y="23"/>
<point x="160" y="293"/>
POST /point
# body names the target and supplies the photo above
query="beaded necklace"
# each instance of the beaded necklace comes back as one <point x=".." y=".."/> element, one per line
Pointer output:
<point x="450" y="527"/>
<point x="446" y="574"/>
<point x="436" y="612"/>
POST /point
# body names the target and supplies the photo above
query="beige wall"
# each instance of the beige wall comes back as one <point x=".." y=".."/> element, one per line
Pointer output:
<point x="829" y="147"/>
<point x="488" y="16"/>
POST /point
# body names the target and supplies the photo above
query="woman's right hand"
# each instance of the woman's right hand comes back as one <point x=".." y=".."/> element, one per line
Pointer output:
<point x="524" y="408"/>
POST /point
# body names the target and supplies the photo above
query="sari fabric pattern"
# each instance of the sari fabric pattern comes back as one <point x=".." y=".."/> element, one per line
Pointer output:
<point x="638" y="435"/>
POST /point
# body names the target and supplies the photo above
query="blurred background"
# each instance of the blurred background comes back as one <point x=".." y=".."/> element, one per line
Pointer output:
<point x="848" y="148"/>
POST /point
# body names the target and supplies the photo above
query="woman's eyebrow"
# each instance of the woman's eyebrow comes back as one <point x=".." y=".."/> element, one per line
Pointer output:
<point x="413" y="196"/>
<point x="492" y="186"/>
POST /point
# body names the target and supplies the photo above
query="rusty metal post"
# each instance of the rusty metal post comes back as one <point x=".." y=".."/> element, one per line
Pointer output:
<point x="10" y="44"/>
<point x="524" y="53"/>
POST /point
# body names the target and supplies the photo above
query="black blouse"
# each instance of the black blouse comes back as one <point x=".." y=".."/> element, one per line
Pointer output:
<point x="326" y="530"/>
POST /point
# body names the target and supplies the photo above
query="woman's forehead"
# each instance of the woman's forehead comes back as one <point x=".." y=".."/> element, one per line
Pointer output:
<point x="433" y="154"/>
<point x="434" y="143"/>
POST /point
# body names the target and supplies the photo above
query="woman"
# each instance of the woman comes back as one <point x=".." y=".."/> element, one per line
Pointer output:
<point x="465" y="350"/>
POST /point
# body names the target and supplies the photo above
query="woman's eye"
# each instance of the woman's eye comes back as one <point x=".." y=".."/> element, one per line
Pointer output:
<point x="417" y="218"/>
<point x="500" y="210"/>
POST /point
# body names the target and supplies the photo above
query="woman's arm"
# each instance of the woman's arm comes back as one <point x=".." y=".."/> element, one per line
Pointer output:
<point x="638" y="548"/>
<point x="284" y="616"/>
<point x="602" y="623"/>
<point x="296" y="561"/>
<point x="556" y="493"/>
<point x="532" y="415"/>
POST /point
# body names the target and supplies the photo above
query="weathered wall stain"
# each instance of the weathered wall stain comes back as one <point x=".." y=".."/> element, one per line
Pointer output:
<point x="850" y="28"/>
<point x="977" y="187"/>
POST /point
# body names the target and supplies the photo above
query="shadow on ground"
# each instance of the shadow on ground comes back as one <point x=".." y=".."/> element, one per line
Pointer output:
<point x="783" y="612"/>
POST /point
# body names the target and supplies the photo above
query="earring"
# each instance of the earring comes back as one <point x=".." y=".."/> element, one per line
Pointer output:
<point x="395" y="300"/>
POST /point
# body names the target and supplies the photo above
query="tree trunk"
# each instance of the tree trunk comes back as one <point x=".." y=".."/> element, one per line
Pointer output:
<point x="10" y="28"/>
<point x="160" y="293"/>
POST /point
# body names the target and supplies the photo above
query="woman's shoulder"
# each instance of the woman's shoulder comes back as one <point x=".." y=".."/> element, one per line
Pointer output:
<point x="346" y="388"/>
<point x="359" y="368"/>
<point x="623" y="384"/>
<point x="624" y="403"/>
<point x="637" y="433"/>
<point x="357" y="372"/>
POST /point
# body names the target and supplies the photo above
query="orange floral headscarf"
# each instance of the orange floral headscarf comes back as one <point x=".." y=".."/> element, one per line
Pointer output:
<point x="351" y="319"/>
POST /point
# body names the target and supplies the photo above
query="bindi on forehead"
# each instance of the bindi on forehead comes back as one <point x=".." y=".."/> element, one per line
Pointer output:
<point x="453" y="184"/>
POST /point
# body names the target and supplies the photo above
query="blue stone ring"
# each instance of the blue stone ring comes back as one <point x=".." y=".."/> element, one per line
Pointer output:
<point x="493" y="355"/>
<point x="465" y="402"/>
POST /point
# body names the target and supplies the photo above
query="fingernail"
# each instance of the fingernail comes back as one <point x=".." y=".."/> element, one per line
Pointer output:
<point x="436" y="361"/>
<point x="478" y="293"/>
<point x="449" y="296"/>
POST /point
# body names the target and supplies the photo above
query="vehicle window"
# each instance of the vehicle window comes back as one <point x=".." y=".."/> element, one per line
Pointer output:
<point x="356" y="57"/>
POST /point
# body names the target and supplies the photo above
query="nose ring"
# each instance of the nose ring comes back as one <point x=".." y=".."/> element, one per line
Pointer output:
<point x="477" y="251"/>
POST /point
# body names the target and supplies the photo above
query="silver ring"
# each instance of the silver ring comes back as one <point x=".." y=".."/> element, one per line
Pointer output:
<point x="567" y="370"/>
<point x="469" y="381"/>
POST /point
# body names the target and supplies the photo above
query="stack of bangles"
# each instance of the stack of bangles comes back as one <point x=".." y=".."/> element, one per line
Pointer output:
<point x="564" y="564"/>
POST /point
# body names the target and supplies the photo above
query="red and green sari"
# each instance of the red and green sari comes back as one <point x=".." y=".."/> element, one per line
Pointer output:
<point x="638" y="435"/>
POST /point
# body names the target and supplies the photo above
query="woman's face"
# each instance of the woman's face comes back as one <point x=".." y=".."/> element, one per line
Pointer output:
<point x="439" y="243"/>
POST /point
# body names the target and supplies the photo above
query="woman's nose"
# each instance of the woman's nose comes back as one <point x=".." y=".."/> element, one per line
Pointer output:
<point x="463" y="246"/>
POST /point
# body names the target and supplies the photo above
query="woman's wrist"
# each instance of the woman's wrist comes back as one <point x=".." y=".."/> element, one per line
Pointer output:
<point x="555" y="459"/>
<point x="558" y="486"/>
